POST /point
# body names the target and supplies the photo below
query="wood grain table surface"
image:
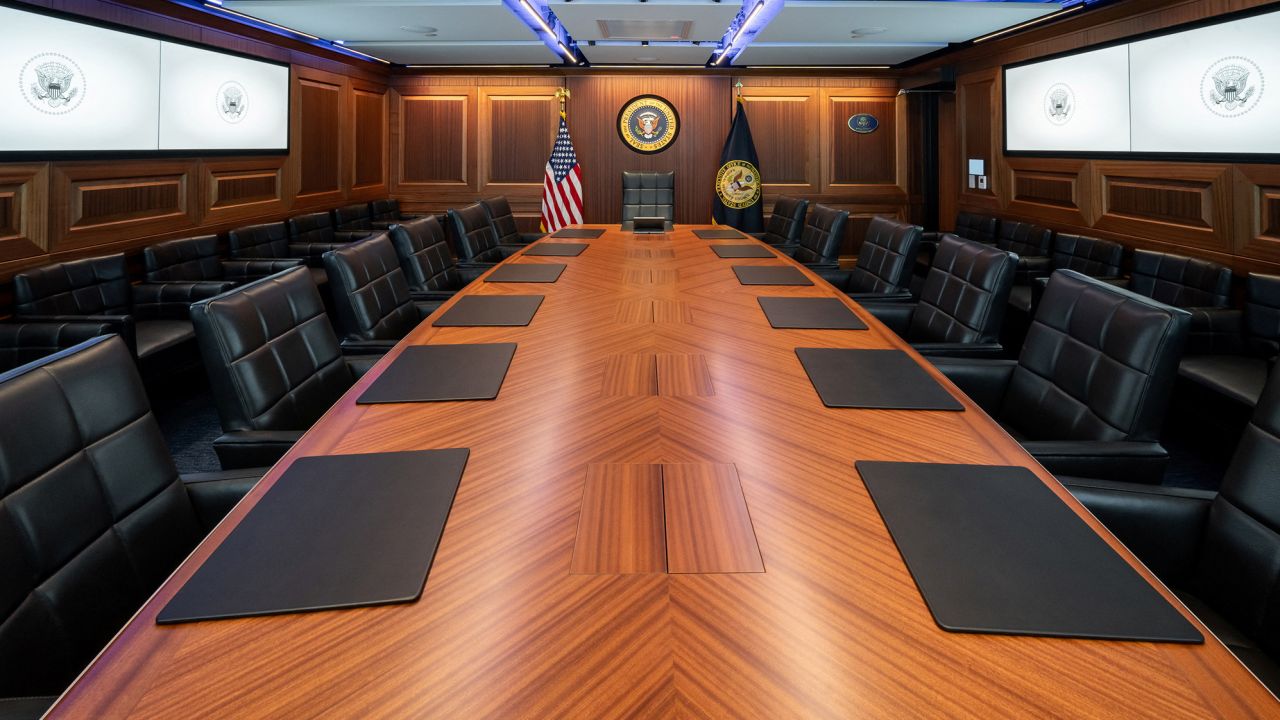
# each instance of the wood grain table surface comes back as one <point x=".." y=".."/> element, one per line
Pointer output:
<point x="659" y="518"/>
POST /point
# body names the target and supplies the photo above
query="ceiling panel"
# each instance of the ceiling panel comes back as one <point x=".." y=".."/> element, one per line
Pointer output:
<point x="446" y="53"/>
<point x="785" y="54"/>
<point x="710" y="19"/>
<point x="382" y="20"/>
<point x="650" y="55"/>
<point x="832" y="21"/>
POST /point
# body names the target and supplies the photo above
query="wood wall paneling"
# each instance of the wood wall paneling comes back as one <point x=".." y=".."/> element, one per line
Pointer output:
<point x="862" y="159"/>
<point x="435" y="140"/>
<point x="369" y="128"/>
<point x="24" y="195"/>
<point x="784" y="123"/>
<point x="99" y="202"/>
<point x="320" y="139"/>
<point x="519" y="128"/>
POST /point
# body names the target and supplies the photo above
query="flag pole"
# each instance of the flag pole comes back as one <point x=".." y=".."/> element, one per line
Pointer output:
<point x="562" y="94"/>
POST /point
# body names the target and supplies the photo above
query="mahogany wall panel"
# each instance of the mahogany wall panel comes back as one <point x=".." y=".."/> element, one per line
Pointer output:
<point x="23" y="211"/>
<point x="434" y="143"/>
<point x="243" y="188"/>
<point x="320" y="138"/>
<point x="370" y="131"/>
<point x="785" y="121"/>
<point x="519" y="129"/>
<point x="93" y="202"/>
<point x="862" y="159"/>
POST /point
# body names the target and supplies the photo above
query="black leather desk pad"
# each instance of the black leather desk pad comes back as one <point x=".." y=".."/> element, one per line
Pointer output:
<point x="876" y="379"/>
<point x="491" y="311"/>
<point x="579" y="233"/>
<point x="743" y="251"/>
<point x="719" y="234"/>
<point x="809" y="314"/>
<point x="993" y="550"/>
<point x="438" y="373"/>
<point x="770" y="275"/>
<point x="550" y="249"/>
<point x="333" y="532"/>
<point x="527" y="273"/>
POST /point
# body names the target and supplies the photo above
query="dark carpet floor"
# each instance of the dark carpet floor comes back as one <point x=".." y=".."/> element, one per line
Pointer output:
<point x="184" y="408"/>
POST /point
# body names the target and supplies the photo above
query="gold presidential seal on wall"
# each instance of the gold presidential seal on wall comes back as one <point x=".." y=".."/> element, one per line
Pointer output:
<point x="648" y="124"/>
<point x="738" y="184"/>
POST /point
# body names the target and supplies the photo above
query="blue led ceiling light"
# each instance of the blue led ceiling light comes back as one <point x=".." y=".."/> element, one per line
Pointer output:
<point x="548" y="28"/>
<point x="750" y="20"/>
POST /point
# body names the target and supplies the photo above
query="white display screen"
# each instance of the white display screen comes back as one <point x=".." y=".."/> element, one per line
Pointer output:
<point x="75" y="87"/>
<point x="1076" y="103"/>
<point x="1201" y="91"/>
<point x="215" y="101"/>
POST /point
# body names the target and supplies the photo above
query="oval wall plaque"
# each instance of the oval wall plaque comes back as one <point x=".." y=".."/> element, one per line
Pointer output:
<point x="648" y="124"/>
<point x="863" y="123"/>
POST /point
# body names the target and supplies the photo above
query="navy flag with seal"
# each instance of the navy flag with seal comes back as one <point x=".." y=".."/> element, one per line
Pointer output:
<point x="739" y="199"/>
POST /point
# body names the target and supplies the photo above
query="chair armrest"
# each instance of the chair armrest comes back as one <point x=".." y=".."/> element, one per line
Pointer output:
<point x="1215" y="331"/>
<point x="897" y="296"/>
<point x="1140" y="462"/>
<point x="528" y="237"/>
<point x="366" y="347"/>
<point x="121" y="325"/>
<point x="957" y="349"/>
<point x="173" y="300"/>
<point x="432" y="295"/>
<point x="349" y="236"/>
<point x="509" y="250"/>
<point x="1031" y="267"/>
<point x="312" y="251"/>
<point x="24" y="342"/>
<point x="837" y="277"/>
<point x="253" y="448"/>
<point x="895" y="315"/>
<point x="246" y="270"/>
<point x="214" y="493"/>
<point x="1163" y="526"/>
<point x="821" y="266"/>
<point x="983" y="380"/>
<point x="361" y="363"/>
<point x="933" y="236"/>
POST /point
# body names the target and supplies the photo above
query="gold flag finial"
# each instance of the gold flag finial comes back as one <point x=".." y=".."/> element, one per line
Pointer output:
<point x="739" y="88"/>
<point x="562" y="94"/>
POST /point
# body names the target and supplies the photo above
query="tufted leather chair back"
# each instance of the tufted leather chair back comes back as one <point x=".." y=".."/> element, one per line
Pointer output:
<point x="1025" y="239"/>
<point x="266" y="240"/>
<point x="821" y="236"/>
<point x="385" y="209"/>
<point x="370" y="293"/>
<point x="1262" y="314"/>
<point x="1087" y="255"/>
<point x="476" y="241"/>
<point x="887" y="257"/>
<point x="272" y="358"/>
<point x="92" y="286"/>
<point x="93" y="516"/>
<point x="964" y="294"/>
<point x="1098" y="363"/>
<point x="502" y="220"/>
<point x="352" y="217"/>
<point x="312" y="229"/>
<point x="786" y="221"/>
<point x="1237" y="572"/>
<point x="978" y="228"/>
<point x="424" y="255"/>
<point x="1180" y="281"/>
<point x="186" y="259"/>
<point x="648" y="194"/>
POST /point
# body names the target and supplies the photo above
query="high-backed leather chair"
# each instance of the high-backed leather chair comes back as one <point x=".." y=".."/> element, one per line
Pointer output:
<point x="274" y="365"/>
<point x="24" y="342"/>
<point x="430" y="270"/>
<point x="271" y="241"/>
<point x="648" y="194"/>
<point x="1240" y="347"/>
<point x="786" y="222"/>
<point x="1086" y="255"/>
<point x="1217" y="551"/>
<point x="371" y="298"/>
<point x="970" y="226"/>
<point x="884" y="264"/>
<point x="503" y="222"/>
<point x="820" y="238"/>
<point x="387" y="212"/>
<point x="354" y="217"/>
<point x="1031" y="243"/>
<point x="317" y="230"/>
<point x="93" y="514"/>
<point x="199" y="260"/>
<point x="151" y="317"/>
<point x="1198" y="286"/>
<point x="477" y="243"/>
<point x="1088" y="394"/>
<point x="962" y="304"/>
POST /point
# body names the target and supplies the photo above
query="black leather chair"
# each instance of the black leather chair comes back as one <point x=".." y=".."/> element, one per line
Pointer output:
<point x="820" y="238"/>
<point x="372" y="303"/>
<point x="1031" y="243"/>
<point x="648" y="194"/>
<point x="357" y="217"/>
<point x="274" y="365"/>
<point x="198" y="260"/>
<point x="786" y="222"/>
<point x="1240" y="347"/>
<point x="151" y="317"/>
<point x="93" y="514"/>
<point x="884" y="264"/>
<point x="24" y="342"/>
<point x="1088" y="394"/>
<point x="430" y="270"/>
<point x="970" y="226"/>
<point x="270" y="241"/>
<point x="1198" y="286"/>
<point x="1217" y="551"/>
<point x="477" y="244"/>
<point x="1086" y="255"/>
<point x="503" y="222"/>
<point x="386" y="212"/>
<point x="962" y="304"/>
<point x="317" y="230"/>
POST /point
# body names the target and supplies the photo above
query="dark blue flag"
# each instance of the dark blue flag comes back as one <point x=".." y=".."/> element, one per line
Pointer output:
<point x="739" y="199"/>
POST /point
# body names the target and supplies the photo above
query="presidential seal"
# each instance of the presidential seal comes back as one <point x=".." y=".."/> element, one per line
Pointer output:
<point x="863" y="123"/>
<point x="52" y="83"/>
<point x="1059" y="104"/>
<point x="738" y="184"/>
<point x="232" y="102"/>
<point x="1232" y="86"/>
<point x="648" y="124"/>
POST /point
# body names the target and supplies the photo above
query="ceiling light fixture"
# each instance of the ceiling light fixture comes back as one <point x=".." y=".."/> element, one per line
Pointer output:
<point x="754" y="16"/>
<point x="1029" y="23"/>
<point x="751" y="16"/>
<point x="538" y="17"/>
<point x="547" y="27"/>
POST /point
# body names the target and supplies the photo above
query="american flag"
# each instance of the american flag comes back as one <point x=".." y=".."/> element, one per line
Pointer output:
<point x="562" y="187"/>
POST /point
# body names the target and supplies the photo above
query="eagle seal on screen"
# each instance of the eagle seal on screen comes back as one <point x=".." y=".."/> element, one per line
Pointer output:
<point x="232" y="102"/>
<point x="53" y="83"/>
<point x="1232" y="86"/>
<point x="1059" y="104"/>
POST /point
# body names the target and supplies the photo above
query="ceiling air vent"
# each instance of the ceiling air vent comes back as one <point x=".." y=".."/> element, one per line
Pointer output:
<point x="645" y="29"/>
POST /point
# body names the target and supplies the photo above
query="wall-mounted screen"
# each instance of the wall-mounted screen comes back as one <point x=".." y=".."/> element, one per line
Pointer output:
<point x="74" y="87"/>
<point x="1201" y="91"/>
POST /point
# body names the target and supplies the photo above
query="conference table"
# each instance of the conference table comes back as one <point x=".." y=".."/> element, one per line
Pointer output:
<point x="659" y="518"/>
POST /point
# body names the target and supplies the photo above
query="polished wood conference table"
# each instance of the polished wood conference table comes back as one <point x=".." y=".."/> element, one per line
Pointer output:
<point x="659" y="518"/>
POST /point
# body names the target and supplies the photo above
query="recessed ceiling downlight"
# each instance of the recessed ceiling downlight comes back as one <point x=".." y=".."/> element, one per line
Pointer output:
<point x="420" y="30"/>
<point x="647" y="58"/>
<point x="860" y="32"/>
